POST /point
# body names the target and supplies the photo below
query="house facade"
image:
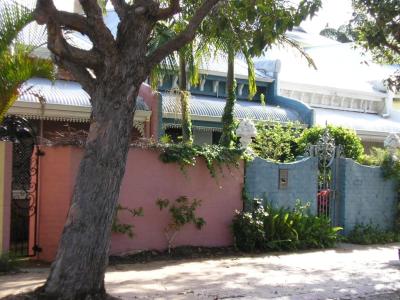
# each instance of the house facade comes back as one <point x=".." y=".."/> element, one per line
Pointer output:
<point x="347" y="89"/>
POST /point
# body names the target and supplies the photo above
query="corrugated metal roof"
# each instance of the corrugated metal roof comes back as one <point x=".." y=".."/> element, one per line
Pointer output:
<point x="214" y="107"/>
<point x="358" y="121"/>
<point x="61" y="92"/>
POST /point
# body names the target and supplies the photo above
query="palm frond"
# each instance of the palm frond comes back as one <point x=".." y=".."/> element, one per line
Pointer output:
<point x="13" y="18"/>
<point x="285" y="40"/>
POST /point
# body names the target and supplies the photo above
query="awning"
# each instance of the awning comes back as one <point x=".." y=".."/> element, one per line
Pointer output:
<point x="210" y="109"/>
<point x="62" y="101"/>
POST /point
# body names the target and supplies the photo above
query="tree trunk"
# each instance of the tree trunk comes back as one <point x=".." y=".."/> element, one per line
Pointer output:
<point x="228" y="122"/>
<point x="82" y="257"/>
<point x="184" y="95"/>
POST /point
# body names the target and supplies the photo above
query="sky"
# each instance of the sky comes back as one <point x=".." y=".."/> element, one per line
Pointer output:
<point x="333" y="12"/>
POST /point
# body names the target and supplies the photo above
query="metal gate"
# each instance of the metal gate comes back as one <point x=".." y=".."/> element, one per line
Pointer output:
<point x="24" y="184"/>
<point x="328" y="155"/>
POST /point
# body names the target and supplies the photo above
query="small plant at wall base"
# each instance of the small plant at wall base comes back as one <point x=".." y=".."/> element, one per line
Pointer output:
<point x="269" y="228"/>
<point x="182" y="211"/>
<point x="366" y="234"/>
<point x="8" y="264"/>
<point x="123" y="228"/>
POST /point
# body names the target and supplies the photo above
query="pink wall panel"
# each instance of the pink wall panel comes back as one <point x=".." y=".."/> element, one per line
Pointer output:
<point x="146" y="179"/>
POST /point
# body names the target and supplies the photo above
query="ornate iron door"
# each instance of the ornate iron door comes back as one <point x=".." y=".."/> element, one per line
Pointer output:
<point x="24" y="185"/>
<point x="327" y="198"/>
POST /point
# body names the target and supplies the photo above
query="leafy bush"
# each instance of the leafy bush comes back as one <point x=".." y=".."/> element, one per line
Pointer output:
<point x="351" y="143"/>
<point x="8" y="263"/>
<point x="285" y="143"/>
<point x="269" y="228"/>
<point x="375" y="158"/>
<point x="276" y="142"/>
<point x="248" y="229"/>
<point x="366" y="234"/>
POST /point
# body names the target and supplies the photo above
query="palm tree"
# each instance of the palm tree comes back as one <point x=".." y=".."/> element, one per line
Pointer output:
<point x="16" y="62"/>
<point x="186" y="62"/>
<point x="249" y="28"/>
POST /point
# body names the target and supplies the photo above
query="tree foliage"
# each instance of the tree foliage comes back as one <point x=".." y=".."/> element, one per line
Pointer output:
<point x="248" y="28"/>
<point x="377" y="26"/>
<point x="343" y="34"/>
<point x="16" y="63"/>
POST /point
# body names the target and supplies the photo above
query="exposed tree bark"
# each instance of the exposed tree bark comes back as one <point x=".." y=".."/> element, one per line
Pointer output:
<point x="228" y="122"/>
<point x="78" y="271"/>
<point x="119" y="66"/>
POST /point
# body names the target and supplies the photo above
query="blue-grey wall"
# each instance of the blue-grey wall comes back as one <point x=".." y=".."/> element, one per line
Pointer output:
<point x="365" y="196"/>
<point x="262" y="180"/>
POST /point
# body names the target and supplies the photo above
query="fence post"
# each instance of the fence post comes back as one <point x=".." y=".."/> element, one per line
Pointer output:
<point x="5" y="195"/>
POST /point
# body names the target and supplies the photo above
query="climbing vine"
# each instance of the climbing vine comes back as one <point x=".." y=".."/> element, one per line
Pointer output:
<point x="214" y="155"/>
<point x="391" y="169"/>
<point x="182" y="211"/>
<point x="186" y="121"/>
<point x="123" y="228"/>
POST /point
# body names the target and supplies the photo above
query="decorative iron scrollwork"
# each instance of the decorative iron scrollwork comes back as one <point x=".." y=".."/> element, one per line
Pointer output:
<point x="24" y="182"/>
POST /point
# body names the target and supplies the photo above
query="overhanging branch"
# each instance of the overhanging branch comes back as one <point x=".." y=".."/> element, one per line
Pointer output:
<point x="92" y="26"/>
<point x="81" y="74"/>
<point x="170" y="11"/>
<point x="120" y="7"/>
<point x="60" y="47"/>
<point x="184" y="37"/>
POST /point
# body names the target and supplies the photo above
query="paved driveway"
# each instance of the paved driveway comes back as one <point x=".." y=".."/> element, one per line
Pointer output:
<point x="349" y="272"/>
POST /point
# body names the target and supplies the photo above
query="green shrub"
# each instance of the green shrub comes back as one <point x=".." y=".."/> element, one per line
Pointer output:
<point x="276" y="142"/>
<point x="284" y="143"/>
<point x="248" y="229"/>
<point x="375" y="158"/>
<point x="351" y="143"/>
<point x="8" y="263"/>
<point x="366" y="234"/>
<point x="269" y="228"/>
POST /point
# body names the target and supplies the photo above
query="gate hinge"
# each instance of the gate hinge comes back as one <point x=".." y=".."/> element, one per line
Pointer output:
<point x="36" y="248"/>
<point x="40" y="152"/>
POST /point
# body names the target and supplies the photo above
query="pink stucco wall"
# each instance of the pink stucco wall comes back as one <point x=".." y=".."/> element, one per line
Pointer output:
<point x="146" y="180"/>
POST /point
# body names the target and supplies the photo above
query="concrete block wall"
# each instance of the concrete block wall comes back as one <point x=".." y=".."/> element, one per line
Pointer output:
<point x="262" y="181"/>
<point x="365" y="196"/>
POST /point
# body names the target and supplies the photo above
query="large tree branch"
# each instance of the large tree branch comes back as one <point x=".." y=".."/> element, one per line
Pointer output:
<point x="103" y="38"/>
<point x="81" y="74"/>
<point x="121" y="8"/>
<point x="93" y="26"/>
<point x="60" y="47"/>
<point x="170" y="11"/>
<point x="184" y="37"/>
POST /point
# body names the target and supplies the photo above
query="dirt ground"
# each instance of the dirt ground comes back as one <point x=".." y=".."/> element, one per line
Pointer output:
<point x="348" y="272"/>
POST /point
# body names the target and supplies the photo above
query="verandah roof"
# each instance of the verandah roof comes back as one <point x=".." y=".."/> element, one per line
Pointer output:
<point x="211" y="109"/>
